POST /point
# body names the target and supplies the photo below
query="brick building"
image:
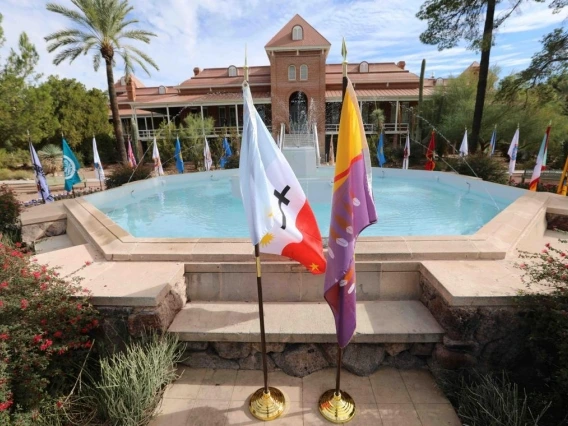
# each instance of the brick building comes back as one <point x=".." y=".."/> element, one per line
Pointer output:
<point x="298" y="90"/>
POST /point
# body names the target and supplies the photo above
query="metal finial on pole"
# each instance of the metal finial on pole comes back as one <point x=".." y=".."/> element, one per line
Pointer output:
<point x="344" y="55"/>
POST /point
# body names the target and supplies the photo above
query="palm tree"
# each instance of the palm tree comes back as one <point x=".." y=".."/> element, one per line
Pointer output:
<point x="101" y="27"/>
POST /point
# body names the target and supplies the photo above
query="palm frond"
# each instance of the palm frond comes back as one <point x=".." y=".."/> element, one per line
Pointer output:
<point x="62" y="42"/>
<point x="124" y="24"/>
<point x="68" y="13"/>
<point x="96" y="61"/>
<point x="64" y="33"/>
<point x="71" y="54"/>
<point x="140" y="35"/>
<point x="142" y="55"/>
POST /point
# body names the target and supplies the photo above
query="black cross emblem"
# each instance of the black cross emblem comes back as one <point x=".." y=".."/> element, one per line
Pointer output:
<point x="282" y="199"/>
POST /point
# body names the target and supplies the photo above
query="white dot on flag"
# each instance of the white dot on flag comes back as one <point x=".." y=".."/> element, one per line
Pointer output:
<point x="342" y="242"/>
<point x="349" y="229"/>
<point x="330" y="252"/>
<point x="351" y="289"/>
<point x="356" y="202"/>
<point x="342" y="283"/>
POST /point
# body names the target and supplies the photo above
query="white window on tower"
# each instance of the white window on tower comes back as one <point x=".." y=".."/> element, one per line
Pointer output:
<point x="232" y="71"/>
<point x="303" y="72"/>
<point x="291" y="72"/>
<point x="364" y="67"/>
<point x="297" y="33"/>
<point x="162" y="90"/>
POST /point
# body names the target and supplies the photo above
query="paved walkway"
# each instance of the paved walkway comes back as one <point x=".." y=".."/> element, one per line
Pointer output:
<point x="204" y="397"/>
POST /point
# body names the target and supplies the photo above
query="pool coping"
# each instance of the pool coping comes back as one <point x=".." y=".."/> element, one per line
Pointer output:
<point x="492" y="242"/>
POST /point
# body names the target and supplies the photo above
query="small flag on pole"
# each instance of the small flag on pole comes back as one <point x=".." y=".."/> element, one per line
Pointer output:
<point x="381" y="150"/>
<point x="279" y="216"/>
<point x="42" y="187"/>
<point x="157" y="162"/>
<point x="207" y="155"/>
<point x="99" y="172"/>
<point x="331" y="152"/>
<point x="512" y="152"/>
<point x="540" y="161"/>
<point x="70" y="167"/>
<point x="493" y="142"/>
<point x="131" y="158"/>
<point x="430" y="164"/>
<point x="352" y="210"/>
<point x="178" y="157"/>
<point x="226" y="153"/>
<point x="464" y="147"/>
<point x="406" y="153"/>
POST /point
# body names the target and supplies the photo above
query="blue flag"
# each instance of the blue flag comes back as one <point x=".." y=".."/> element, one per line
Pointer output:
<point x="178" y="157"/>
<point x="492" y="143"/>
<point x="70" y="167"/>
<point x="226" y="154"/>
<point x="381" y="151"/>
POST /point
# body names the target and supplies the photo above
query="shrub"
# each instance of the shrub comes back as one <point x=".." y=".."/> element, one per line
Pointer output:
<point x="541" y="187"/>
<point x="131" y="383"/>
<point x="14" y="159"/>
<point x="51" y="157"/>
<point x="7" y="174"/>
<point x="487" y="168"/>
<point x="123" y="173"/>
<point x="488" y="400"/>
<point x="233" y="162"/>
<point x="545" y="315"/>
<point x="9" y="210"/>
<point x="44" y="329"/>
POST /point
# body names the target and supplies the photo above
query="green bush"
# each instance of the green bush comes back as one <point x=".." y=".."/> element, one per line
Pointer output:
<point x="489" y="400"/>
<point x="233" y="162"/>
<point x="7" y="174"/>
<point x="51" y="157"/>
<point x="45" y="323"/>
<point x="130" y="384"/>
<point x="14" y="159"/>
<point x="9" y="210"/>
<point x="123" y="173"/>
<point x="541" y="187"/>
<point x="545" y="316"/>
<point x="487" y="168"/>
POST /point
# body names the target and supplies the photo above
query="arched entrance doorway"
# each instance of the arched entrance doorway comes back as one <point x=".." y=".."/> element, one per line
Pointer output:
<point x="298" y="107"/>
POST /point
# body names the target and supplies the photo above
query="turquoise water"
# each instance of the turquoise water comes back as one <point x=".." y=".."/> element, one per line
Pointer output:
<point x="207" y="208"/>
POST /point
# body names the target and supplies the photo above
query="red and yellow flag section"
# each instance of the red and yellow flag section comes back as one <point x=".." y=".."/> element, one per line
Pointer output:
<point x="540" y="161"/>
<point x="352" y="210"/>
<point x="430" y="164"/>
<point x="279" y="216"/>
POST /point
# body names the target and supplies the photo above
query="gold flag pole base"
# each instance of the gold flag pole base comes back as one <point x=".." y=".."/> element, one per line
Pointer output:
<point x="267" y="406"/>
<point x="336" y="408"/>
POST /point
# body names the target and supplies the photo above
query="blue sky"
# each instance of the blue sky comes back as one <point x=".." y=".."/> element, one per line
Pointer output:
<point x="213" y="33"/>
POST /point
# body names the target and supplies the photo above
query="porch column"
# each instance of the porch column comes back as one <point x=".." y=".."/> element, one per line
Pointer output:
<point x="396" y="124"/>
<point x="135" y="118"/>
<point x="237" y="118"/>
<point x="202" y="121"/>
<point x="168" y="113"/>
<point x="152" y="121"/>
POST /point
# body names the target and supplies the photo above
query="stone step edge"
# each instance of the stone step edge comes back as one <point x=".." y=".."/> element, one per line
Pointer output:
<point x="241" y="324"/>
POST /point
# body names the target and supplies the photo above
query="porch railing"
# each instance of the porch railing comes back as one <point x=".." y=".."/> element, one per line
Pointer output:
<point x="371" y="128"/>
<point x="216" y="132"/>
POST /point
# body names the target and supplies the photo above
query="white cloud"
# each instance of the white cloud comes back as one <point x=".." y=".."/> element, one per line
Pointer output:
<point x="213" y="33"/>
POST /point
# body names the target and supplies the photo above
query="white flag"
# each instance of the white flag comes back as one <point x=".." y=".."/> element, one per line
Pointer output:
<point x="463" y="147"/>
<point x="513" y="148"/>
<point x="42" y="188"/>
<point x="99" y="172"/>
<point x="156" y="157"/>
<point x="207" y="155"/>
<point x="279" y="216"/>
<point x="406" y="154"/>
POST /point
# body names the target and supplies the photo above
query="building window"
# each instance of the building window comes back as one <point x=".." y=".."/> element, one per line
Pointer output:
<point x="291" y="72"/>
<point x="162" y="90"/>
<point x="232" y="71"/>
<point x="303" y="72"/>
<point x="297" y="33"/>
<point x="122" y="81"/>
<point x="364" y="67"/>
<point x="222" y="118"/>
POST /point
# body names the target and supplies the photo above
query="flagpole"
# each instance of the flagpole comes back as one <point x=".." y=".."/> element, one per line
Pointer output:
<point x="266" y="403"/>
<point x="35" y="171"/>
<point x="336" y="406"/>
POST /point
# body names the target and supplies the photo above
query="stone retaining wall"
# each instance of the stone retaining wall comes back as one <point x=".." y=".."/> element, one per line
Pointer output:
<point x="557" y="222"/>
<point x="302" y="359"/>
<point x="485" y="337"/>
<point x="37" y="231"/>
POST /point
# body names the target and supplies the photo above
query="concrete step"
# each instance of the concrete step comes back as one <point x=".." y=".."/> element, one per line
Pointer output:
<point x="289" y="282"/>
<point x="377" y="322"/>
<point x="53" y="243"/>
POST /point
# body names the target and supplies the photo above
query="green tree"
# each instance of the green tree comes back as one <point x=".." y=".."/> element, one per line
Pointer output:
<point x="22" y="64"/>
<point x="450" y="21"/>
<point x="105" y="32"/>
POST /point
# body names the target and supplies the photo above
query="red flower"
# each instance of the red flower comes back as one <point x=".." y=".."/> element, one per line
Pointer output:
<point x="523" y="265"/>
<point x="4" y="336"/>
<point x="4" y="284"/>
<point x="58" y="334"/>
<point x="37" y="338"/>
<point x="79" y="306"/>
<point x="563" y="254"/>
<point x="95" y="322"/>
<point x="61" y="351"/>
<point x="43" y="322"/>
<point x="43" y="287"/>
<point x="24" y="304"/>
<point x="1" y="303"/>
<point x="84" y="330"/>
<point x="46" y="345"/>
<point x="59" y="404"/>
<point x="18" y="245"/>
<point x="547" y="245"/>
<point x="5" y="405"/>
<point x="550" y="260"/>
<point x="88" y="344"/>
<point x="88" y="262"/>
<point x="545" y="251"/>
<point x="37" y="275"/>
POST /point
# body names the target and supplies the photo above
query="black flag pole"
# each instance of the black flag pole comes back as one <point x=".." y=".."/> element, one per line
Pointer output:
<point x="336" y="406"/>
<point x="36" y="168"/>
<point x="266" y="403"/>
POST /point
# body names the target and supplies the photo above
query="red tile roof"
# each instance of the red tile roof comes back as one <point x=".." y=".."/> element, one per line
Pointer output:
<point x="373" y="94"/>
<point x="220" y="77"/>
<point x="283" y="39"/>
